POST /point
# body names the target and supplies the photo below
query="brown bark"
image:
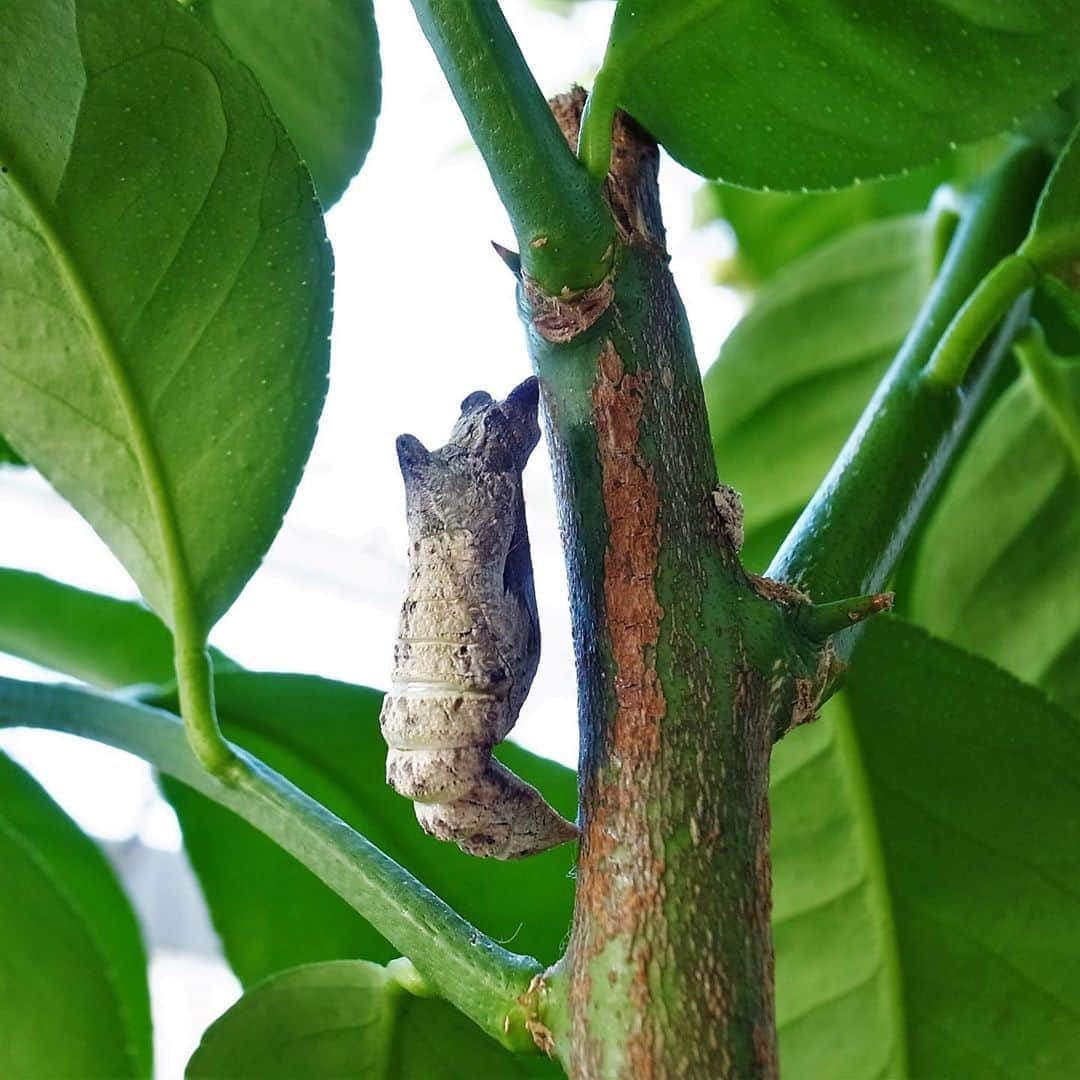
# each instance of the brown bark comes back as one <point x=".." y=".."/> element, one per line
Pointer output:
<point x="685" y="670"/>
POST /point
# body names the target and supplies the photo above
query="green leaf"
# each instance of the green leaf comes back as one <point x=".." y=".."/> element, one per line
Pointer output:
<point x="817" y="94"/>
<point x="1055" y="231"/>
<point x="324" y="736"/>
<point x="468" y="968"/>
<point x="319" y="65"/>
<point x="106" y="642"/>
<point x="73" y="989"/>
<point x="774" y="228"/>
<point x="838" y="1006"/>
<point x="164" y="288"/>
<point x="1011" y="590"/>
<point x="973" y="780"/>
<point x="795" y="374"/>
<point x="1056" y="308"/>
<point x="926" y="840"/>
<point x="347" y="1018"/>
<point x="8" y="455"/>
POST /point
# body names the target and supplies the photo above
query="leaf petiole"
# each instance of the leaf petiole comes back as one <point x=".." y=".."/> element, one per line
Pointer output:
<point x="973" y="323"/>
<point x="595" y="138"/>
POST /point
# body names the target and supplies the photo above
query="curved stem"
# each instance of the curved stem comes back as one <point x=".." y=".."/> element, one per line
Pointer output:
<point x="984" y="309"/>
<point x="195" y="684"/>
<point x="463" y="965"/>
<point x="595" y="140"/>
<point x="562" y="225"/>
<point x="850" y="537"/>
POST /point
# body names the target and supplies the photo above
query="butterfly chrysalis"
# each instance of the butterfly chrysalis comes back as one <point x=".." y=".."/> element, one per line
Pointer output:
<point x="469" y="636"/>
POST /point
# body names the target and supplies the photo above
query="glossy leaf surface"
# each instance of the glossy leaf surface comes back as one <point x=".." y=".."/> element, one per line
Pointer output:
<point x="973" y="782"/>
<point x="795" y="374"/>
<point x="164" y="288"/>
<point x="1055" y="232"/>
<point x="98" y="639"/>
<point x="920" y="929"/>
<point x="817" y="95"/>
<point x="319" y="65"/>
<point x="999" y="569"/>
<point x="775" y="228"/>
<point x="73" y="986"/>
<point x="349" y="1018"/>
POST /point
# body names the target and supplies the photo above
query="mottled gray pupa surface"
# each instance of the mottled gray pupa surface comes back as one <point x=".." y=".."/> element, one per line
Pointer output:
<point x="469" y="637"/>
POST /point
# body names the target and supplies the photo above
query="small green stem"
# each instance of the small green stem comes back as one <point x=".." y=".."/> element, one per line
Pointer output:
<point x="597" y="121"/>
<point x="850" y="537"/>
<point x="1047" y="377"/>
<point x="984" y="309"/>
<point x="821" y="621"/>
<point x="563" y="227"/>
<point x="195" y="684"/>
<point x="463" y="965"/>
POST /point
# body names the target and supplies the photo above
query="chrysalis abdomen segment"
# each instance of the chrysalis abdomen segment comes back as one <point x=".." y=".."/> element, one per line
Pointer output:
<point x="468" y="640"/>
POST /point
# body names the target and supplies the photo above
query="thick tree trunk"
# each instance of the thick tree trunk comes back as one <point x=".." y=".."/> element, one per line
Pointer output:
<point x="687" y="669"/>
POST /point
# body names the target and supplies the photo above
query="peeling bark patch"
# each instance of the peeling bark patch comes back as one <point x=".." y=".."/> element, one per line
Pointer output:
<point x="530" y="1002"/>
<point x="777" y="591"/>
<point x="622" y="886"/>
<point x="630" y="189"/>
<point x="632" y="557"/>
<point x="560" y="319"/>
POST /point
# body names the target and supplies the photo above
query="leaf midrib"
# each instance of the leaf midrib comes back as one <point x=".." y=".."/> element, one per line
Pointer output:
<point x="177" y="573"/>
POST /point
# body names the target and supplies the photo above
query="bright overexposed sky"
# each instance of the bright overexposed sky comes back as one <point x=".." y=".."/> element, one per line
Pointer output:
<point x="424" y="314"/>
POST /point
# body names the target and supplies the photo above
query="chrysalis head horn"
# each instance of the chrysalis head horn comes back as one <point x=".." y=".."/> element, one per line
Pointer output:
<point x="476" y="400"/>
<point x="412" y="455"/>
<point x="525" y="396"/>
<point x="519" y="408"/>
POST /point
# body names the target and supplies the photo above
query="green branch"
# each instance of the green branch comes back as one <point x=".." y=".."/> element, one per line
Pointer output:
<point x="562" y="225"/>
<point x="471" y="971"/>
<point x="819" y="622"/>
<point x="850" y="537"/>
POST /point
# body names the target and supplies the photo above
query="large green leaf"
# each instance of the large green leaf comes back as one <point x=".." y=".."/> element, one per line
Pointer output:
<point x="73" y="990"/>
<point x="319" y="65"/>
<point x="324" y="736"/>
<point x="819" y="94"/>
<point x="774" y="228"/>
<point x="164" y="289"/>
<point x="838" y="1006"/>
<point x="999" y="569"/>
<point x="103" y="641"/>
<point x="795" y="374"/>
<point x="1055" y="230"/>
<point x="926" y="854"/>
<point x="974" y="787"/>
<point x="348" y="1019"/>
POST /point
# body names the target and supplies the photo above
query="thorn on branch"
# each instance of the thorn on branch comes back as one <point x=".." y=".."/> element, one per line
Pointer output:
<point x="821" y="621"/>
<point x="511" y="258"/>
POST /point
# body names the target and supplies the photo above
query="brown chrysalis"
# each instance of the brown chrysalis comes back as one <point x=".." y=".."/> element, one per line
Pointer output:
<point x="469" y="636"/>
